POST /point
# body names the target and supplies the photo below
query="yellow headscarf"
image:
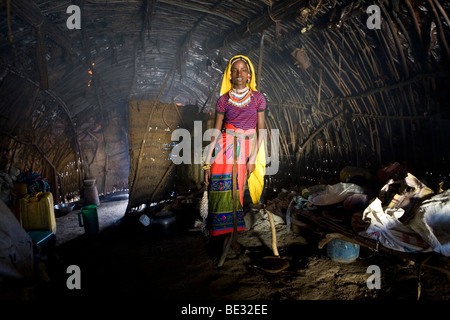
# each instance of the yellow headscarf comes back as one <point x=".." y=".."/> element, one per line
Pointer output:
<point x="226" y="83"/>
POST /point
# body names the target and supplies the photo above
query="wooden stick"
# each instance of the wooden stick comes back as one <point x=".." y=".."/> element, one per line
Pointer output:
<point x="274" y="234"/>
<point x="234" y="177"/>
<point x="396" y="40"/>
<point x="227" y="246"/>
<point x="168" y="170"/>
<point x="233" y="238"/>
<point x="442" y="11"/>
<point x="63" y="106"/>
<point x="324" y="126"/>
<point x="281" y="10"/>
<point x="41" y="50"/>
<point x="396" y="85"/>
<point x="414" y="18"/>
<point x="30" y="12"/>
<point x="261" y="51"/>
<point x="235" y="195"/>
<point x="440" y="28"/>
<point x="55" y="172"/>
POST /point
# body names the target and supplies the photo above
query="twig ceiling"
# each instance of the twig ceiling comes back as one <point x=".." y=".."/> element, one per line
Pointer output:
<point x="364" y="97"/>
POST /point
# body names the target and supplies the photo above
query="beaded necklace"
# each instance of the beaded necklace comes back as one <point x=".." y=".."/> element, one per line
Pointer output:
<point x="240" y="98"/>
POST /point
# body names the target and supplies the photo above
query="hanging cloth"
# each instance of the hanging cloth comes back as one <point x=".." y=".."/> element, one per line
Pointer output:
<point x="256" y="179"/>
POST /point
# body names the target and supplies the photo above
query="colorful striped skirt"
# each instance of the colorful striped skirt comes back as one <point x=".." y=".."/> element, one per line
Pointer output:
<point x="220" y="215"/>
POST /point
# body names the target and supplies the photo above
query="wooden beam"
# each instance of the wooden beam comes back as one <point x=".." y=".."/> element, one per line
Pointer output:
<point x="41" y="50"/>
<point x="337" y="117"/>
<point x="190" y="6"/>
<point x="397" y="85"/>
<point x="280" y="11"/>
<point x="184" y="47"/>
<point x="261" y="52"/>
<point x="30" y="12"/>
<point x="56" y="174"/>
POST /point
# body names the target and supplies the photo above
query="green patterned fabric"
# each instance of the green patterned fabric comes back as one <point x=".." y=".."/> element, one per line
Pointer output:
<point x="221" y="205"/>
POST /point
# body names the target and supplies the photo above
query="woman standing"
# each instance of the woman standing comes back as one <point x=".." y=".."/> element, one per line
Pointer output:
<point x="233" y="150"/>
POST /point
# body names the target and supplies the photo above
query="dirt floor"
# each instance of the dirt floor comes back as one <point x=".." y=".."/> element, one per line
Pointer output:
<point x="179" y="263"/>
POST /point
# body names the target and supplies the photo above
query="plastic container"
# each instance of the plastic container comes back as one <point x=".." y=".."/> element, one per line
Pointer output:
<point x="88" y="218"/>
<point x="145" y="220"/>
<point x="37" y="212"/>
<point x="179" y="200"/>
<point x="164" y="222"/>
<point x="342" y="251"/>
<point x="90" y="192"/>
<point x="43" y="238"/>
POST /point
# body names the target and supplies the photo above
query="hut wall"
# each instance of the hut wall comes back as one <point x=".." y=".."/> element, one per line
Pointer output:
<point x="151" y="168"/>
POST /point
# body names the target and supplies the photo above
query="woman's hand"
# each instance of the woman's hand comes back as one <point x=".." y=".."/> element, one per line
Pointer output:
<point x="250" y="169"/>
<point x="207" y="176"/>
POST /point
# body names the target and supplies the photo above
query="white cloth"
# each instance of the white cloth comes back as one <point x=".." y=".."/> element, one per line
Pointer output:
<point x="334" y="194"/>
<point x="386" y="228"/>
<point x="432" y="222"/>
<point x="16" y="246"/>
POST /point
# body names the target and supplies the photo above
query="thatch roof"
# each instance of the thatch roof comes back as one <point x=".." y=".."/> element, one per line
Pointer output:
<point x="338" y="92"/>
